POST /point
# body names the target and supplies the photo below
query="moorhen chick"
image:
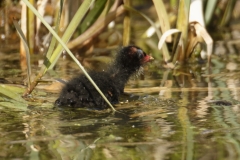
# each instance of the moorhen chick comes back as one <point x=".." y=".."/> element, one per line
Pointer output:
<point x="79" y="92"/>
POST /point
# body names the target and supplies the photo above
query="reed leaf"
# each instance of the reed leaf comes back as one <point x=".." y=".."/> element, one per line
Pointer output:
<point x="53" y="41"/>
<point x="92" y="15"/>
<point x="162" y="17"/>
<point x="10" y="92"/>
<point x="196" y="12"/>
<point x="127" y="25"/>
<point x="70" y="30"/>
<point x="202" y="32"/>
<point x="210" y="7"/>
<point x="24" y="40"/>
<point x="182" y="25"/>
<point x="15" y="105"/>
<point x="165" y="35"/>
<point x="30" y="29"/>
<point x="106" y="8"/>
<point x="228" y="12"/>
<point x="95" y="28"/>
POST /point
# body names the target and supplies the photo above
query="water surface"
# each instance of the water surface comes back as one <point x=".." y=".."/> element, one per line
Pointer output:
<point x="188" y="113"/>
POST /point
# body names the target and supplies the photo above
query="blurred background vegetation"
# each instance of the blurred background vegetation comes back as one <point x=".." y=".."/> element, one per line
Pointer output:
<point x="221" y="17"/>
<point x="109" y="24"/>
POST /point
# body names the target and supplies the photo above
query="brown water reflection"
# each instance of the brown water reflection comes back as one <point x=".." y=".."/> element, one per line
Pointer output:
<point x="170" y="115"/>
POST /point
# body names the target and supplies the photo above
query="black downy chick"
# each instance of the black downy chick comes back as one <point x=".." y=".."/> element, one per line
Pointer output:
<point x="79" y="92"/>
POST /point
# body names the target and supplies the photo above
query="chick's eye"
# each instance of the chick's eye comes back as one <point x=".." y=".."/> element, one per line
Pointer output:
<point x="140" y="53"/>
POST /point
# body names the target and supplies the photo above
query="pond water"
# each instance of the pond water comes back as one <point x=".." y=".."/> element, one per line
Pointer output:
<point x="189" y="113"/>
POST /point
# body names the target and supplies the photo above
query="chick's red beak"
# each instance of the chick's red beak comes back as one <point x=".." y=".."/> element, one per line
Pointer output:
<point x="147" y="58"/>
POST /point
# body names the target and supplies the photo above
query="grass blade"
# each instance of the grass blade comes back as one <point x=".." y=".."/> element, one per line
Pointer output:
<point x="30" y="29"/>
<point x="210" y="7"/>
<point x="228" y="12"/>
<point x="182" y="25"/>
<point x="23" y="38"/>
<point x="7" y="91"/>
<point x="92" y="15"/>
<point x="163" y="17"/>
<point x="69" y="31"/>
<point x="53" y="41"/>
<point x="127" y="25"/>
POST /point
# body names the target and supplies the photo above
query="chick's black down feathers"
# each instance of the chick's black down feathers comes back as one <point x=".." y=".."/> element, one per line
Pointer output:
<point x="79" y="92"/>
